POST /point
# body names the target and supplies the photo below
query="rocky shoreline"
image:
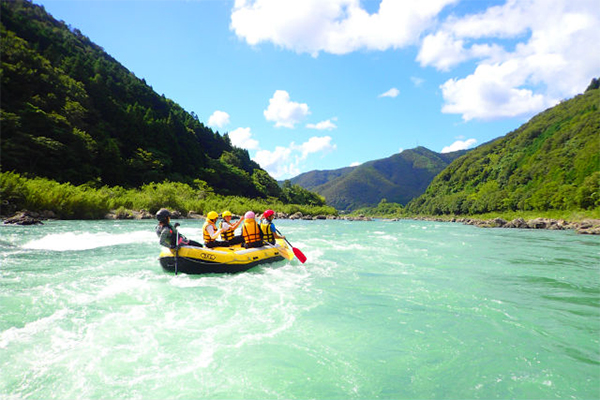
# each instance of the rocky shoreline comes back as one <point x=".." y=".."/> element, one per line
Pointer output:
<point x="585" y="227"/>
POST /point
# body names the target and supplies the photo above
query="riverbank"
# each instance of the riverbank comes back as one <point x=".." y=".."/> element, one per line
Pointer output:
<point x="586" y="226"/>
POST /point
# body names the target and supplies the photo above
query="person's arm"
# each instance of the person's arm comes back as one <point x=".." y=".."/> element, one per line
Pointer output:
<point x="226" y="226"/>
<point x="211" y="231"/>
<point x="165" y="237"/>
<point x="235" y="226"/>
<point x="275" y="234"/>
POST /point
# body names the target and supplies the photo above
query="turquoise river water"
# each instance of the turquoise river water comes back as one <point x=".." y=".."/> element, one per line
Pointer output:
<point x="381" y="310"/>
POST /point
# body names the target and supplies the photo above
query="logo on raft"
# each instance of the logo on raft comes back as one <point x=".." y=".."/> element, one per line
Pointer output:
<point x="210" y="257"/>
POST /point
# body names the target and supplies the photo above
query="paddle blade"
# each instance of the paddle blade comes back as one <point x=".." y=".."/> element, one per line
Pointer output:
<point x="299" y="255"/>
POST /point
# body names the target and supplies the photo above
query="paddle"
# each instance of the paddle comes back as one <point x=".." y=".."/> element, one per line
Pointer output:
<point x="296" y="251"/>
<point x="176" y="247"/>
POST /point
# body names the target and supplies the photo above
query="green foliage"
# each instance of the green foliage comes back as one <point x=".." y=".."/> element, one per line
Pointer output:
<point x="296" y="194"/>
<point x="550" y="163"/>
<point x="86" y="201"/>
<point x="72" y="113"/>
<point x="594" y="84"/>
<point x="383" y="210"/>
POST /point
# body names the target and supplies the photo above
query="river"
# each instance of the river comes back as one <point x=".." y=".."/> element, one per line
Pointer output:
<point x="381" y="310"/>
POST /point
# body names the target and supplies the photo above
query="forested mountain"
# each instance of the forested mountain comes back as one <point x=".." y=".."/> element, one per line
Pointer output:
<point x="397" y="179"/>
<point x="72" y="113"/>
<point x="313" y="179"/>
<point x="551" y="162"/>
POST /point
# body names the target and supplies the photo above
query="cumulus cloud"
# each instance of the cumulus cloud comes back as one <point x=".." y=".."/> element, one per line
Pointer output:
<point x="355" y="164"/>
<point x="552" y="42"/>
<point x="550" y="61"/>
<point x="242" y="137"/>
<point x="323" y="125"/>
<point x="459" y="145"/>
<point x="286" y="160"/>
<point x="218" y="119"/>
<point x="278" y="162"/>
<point x="333" y="26"/>
<point x="283" y="112"/>
<point x="488" y="94"/>
<point x="393" y="92"/>
<point x="316" y="144"/>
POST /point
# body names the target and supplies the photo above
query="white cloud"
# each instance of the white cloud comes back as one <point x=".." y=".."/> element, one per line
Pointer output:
<point x="393" y="92"/>
<point x="242" y="137"/>
<point x="323" y="125"/>
<point x="552" y="58"/>
<point x="218" y="119"/>
<point x="355" y="164"/>
<point x="417" y="81"/>
<point x="492" y="91"/>
<point x="316" y="144"/>
<point x="284" y="112"/>
<point x="552" y="42"/>
<point x="459" y="145"/>
<point x="277" y="162"/>
<point x="442" y="50"/>
<point x="285" y="161"/>
<point x="333" y="26"/>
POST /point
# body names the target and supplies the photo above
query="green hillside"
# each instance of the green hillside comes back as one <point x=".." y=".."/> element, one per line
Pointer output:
<point x="398" y="179"/>
<point x="72" y="113"/>
<point x="550" y="163"/>
<point x="312" y="179"/>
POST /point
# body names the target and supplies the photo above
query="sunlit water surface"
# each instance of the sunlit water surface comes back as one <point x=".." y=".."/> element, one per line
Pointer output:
<point x="381" y="309"/>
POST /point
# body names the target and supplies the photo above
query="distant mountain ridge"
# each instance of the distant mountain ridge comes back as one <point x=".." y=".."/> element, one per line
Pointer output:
<point x="398" y="178"/>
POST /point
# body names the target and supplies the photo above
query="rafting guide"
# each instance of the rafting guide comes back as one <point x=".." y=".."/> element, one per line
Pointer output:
<point x="168" y="234"/>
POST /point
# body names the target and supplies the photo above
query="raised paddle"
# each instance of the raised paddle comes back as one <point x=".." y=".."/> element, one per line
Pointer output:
<point x="299" y="255"/>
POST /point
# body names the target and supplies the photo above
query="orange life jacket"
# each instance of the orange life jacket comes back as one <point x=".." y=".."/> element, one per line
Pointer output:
<point x="251" y="232"/>
<point x="205" y="233"/>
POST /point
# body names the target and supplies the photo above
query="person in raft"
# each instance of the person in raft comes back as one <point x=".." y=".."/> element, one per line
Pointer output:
<point x="251" y="232"/>
<point x="211" y="233"/>
<point x="228" y="229"/>
<point x="168" y="235"/>
<point x="268" y="227"/>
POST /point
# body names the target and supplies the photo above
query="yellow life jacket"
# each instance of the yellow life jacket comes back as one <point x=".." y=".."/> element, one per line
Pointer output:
<point x="227" y="235"/>
<point x="268" y="235"/>
<point x="205" y="233"/>
<point x="251" y="231"/>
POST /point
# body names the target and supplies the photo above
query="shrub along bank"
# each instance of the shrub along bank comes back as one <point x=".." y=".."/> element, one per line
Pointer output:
<point x="67" y="201"/>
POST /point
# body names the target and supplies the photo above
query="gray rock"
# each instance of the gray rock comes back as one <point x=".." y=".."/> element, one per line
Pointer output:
<point x="24" y="218"/>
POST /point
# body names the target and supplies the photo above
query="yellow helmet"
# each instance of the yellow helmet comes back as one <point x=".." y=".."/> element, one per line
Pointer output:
<point x="212" y="215"/>
<point x="226" y="214"/>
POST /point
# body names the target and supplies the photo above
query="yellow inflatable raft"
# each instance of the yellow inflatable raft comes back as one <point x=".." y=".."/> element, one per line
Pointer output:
<point x="222" y="260"/>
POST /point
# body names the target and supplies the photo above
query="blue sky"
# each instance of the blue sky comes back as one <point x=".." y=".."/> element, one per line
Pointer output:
<point x="324" y="84"/>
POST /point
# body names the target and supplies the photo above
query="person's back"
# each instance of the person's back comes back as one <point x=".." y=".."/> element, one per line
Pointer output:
<point x="251" y="232"/>
<point x="267" y="231"/>
<point x="268" y="228"/>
